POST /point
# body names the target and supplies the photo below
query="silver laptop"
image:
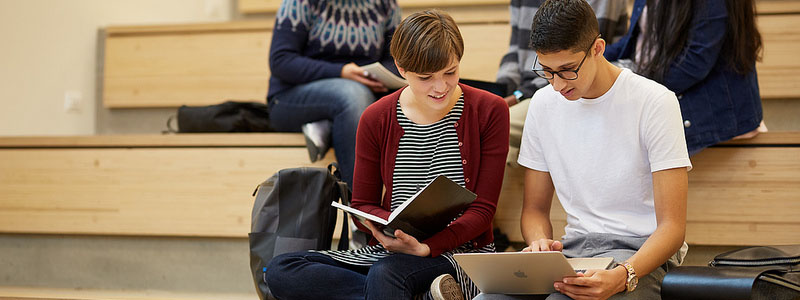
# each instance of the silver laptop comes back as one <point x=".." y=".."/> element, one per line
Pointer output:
<point x="524" y="272"/>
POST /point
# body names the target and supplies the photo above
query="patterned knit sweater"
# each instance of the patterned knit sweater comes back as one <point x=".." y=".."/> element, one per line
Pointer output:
<point x="314" y="39"/>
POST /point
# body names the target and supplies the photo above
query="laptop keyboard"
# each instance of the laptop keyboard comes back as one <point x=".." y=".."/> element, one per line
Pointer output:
<point x="580" y="271"/>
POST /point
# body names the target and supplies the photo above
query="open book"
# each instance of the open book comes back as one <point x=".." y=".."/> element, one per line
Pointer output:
<point x="427" y="212"/>
<point x="380" y="73"/>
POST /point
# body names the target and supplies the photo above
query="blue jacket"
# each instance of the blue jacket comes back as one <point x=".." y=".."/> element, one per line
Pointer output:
<point x="717" y="103"/>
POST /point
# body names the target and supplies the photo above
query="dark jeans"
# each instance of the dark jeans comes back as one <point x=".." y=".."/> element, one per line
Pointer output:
<point x="311" y="275"/>
<point x="336" y="99"/>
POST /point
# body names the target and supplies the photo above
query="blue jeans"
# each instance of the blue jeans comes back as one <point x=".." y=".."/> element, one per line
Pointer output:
<point x="312" y="275"/>
<point x="336" y="99"/>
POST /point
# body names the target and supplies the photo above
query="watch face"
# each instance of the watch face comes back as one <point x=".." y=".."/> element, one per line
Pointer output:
<point x="632" y="283"/>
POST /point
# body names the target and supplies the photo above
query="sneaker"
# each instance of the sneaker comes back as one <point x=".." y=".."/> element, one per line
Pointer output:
<point x="445" y="287"/>
<point x="318" y="138"/>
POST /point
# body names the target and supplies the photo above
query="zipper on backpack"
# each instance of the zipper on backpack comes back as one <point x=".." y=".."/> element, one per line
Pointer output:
<point x="753" y="263"/>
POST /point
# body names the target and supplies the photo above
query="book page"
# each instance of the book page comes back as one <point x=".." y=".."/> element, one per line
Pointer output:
<point x="359" y="213"/>
<point x="380" y="73"/>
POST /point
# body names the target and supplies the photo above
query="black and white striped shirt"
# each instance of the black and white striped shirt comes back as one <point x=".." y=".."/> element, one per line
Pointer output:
<point x="424" y="152"/>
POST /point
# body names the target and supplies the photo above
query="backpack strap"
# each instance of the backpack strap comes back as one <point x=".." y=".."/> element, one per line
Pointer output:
<point x="344" y="198"/>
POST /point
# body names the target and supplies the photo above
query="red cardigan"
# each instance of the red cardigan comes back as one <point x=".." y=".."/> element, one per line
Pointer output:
<point x="483" y="139"/>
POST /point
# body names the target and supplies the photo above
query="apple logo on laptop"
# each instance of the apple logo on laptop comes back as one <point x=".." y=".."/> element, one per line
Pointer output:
<point x="520" y="274"/>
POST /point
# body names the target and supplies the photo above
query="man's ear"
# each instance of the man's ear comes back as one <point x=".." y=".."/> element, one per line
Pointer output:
<point x="599" y="47"/>
<point x="400" y="70"/>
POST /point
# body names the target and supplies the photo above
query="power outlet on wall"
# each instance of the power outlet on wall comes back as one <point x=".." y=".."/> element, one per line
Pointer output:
<point x="72" y="101"/>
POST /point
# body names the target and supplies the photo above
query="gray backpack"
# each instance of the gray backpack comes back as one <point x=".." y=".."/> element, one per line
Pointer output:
<point x="293" y="212"/>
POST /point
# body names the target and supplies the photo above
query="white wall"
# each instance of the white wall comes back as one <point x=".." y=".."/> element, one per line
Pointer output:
<point x="49" y="47"/>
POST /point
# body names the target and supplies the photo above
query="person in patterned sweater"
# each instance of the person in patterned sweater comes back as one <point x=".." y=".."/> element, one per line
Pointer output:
<point x="317" y="49"/>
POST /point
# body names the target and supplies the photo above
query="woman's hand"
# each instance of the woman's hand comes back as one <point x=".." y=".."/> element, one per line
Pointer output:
<point x="354" y="72"/>
<point x="594" y="284"/>
<point x="401" y="243"/>
<point x="544" y="245"/>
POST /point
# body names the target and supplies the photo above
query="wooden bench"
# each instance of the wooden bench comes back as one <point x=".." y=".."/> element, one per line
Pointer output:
<point x="202" y="64"/>
<point x="744" y="192"/>
<point x="271" y="6"/>
<point x="740" y="193"/>
<point x="140" y="185"/>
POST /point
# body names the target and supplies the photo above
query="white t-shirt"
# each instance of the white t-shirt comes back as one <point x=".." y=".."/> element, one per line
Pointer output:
<point x="601" y="152"/>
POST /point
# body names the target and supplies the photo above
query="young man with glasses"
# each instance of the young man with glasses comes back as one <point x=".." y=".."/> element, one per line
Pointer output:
<point x="610" y="144"/>
<point x="515" y="67"/>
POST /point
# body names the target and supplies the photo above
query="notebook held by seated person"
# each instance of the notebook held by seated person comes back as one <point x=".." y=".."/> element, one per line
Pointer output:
<point x="425" y="213"/>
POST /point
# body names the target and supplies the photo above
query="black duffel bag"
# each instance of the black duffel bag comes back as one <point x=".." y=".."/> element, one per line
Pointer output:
<point x="762" y="272"/>
<point x="230" y="116"/>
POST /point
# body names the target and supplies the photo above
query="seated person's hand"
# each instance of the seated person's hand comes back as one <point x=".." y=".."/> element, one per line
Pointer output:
<point x="511" y="100"/>
<point x="354" y="72"/>
<point x="594" y="284"/>
<point x="544" y="245"/>
<point x="401" y="243"/>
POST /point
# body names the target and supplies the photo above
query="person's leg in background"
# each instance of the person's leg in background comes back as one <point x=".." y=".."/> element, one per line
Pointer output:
<point x="339" y="100"/>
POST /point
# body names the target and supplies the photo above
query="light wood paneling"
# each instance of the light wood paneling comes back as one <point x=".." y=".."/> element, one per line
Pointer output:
<point x="203" y="64"/>
<point x="778" y="6"/>
<point x="258" y="6"/>
<point x="169" y="66"/>
<point x="271" y="6"/>
<point x="743" y="193"/>
<point x="476" y="14"/>
<point x="273" y="139"/>
<point x="738" y="195"/>
<point x="484" y="46"/>
<point x="236" y="26"/>
<point x="128" y="190"/>
<point x="195" y="67"/>
<point x="778" y="75"/>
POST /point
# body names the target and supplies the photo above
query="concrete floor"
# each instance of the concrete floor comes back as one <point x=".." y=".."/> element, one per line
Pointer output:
<point x="179" y="265"/>
<point x="184" y="265"/>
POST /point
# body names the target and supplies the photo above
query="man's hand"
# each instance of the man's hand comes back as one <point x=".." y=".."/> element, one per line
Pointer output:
<point x="511" y="100"/>
<point x="401" y="243"/>
<point x="354" y="72"/>
<point x="594" y="284"/>
<point x="544" y="245"/>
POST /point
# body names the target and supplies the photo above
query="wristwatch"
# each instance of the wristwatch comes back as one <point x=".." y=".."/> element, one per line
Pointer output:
<point x="518" y="94"/>
<point x="633" y="280"/>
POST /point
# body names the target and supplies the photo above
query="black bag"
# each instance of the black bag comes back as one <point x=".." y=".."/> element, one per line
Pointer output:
<point x="761" y="272"/>
<point x="230" y="116"/>
<point x="293" y="212"/>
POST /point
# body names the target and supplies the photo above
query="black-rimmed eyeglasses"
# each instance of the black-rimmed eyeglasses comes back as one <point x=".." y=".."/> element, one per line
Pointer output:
<point x="564" y="74"/>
